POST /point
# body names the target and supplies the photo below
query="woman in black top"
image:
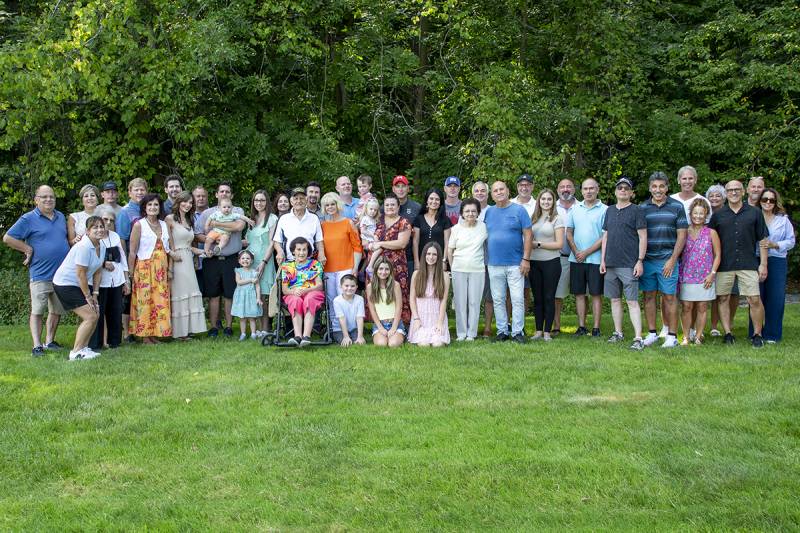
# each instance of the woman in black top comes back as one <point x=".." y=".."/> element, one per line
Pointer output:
<point x="431" y="224"/>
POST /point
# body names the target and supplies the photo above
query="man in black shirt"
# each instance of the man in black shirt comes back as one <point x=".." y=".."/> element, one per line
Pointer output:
<point x="741" y="228"/>
<point x="621" y="260"/>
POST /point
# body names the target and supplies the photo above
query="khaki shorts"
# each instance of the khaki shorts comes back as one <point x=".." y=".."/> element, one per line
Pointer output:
<point x="43" y="298"/>
<point x="562" y="291"/>
<point x="748" y="282"/>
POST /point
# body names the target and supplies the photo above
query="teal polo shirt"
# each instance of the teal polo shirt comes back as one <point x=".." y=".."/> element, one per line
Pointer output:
<point x="587" y="227"/>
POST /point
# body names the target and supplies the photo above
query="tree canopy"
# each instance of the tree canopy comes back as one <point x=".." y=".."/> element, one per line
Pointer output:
<point x="280" y="92"/>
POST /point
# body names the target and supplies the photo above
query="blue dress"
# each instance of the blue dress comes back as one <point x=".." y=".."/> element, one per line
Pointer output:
<point x="244" y="297"/>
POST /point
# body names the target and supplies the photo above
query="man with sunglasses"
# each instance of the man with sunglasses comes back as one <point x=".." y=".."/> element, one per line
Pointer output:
<point x="741" y="229"/>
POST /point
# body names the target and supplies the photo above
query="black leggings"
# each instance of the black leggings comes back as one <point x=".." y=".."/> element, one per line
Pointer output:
<point x="544" y="277"/>
<point x="110" y="300"/>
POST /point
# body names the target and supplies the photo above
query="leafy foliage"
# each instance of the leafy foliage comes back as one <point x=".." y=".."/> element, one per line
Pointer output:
<point x="276" y="93"/>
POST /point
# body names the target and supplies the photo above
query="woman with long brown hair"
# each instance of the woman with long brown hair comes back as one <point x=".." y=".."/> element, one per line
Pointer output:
<point x="259" y="243"/>
<point x="186" y="300"/>
<point x="428" y="300"/>
<point x="548" y="238"/>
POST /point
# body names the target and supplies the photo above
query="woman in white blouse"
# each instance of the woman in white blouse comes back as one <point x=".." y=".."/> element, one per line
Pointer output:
<point x="465" y="255"/>
<point x="113" y="285"/>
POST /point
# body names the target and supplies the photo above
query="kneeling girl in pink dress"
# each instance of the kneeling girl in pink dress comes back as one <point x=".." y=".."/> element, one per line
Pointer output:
<point x="429" y="289"/>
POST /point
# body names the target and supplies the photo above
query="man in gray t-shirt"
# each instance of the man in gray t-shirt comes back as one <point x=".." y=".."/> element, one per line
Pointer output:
<point x="622" y="253"/>
<point x="219" y="275"/>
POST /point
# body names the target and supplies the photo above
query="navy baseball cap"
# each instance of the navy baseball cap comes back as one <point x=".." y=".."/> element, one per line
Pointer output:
<point x="452" y="180"/>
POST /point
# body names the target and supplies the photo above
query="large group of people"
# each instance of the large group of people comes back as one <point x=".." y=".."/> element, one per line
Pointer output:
<point x="142" y="271"/>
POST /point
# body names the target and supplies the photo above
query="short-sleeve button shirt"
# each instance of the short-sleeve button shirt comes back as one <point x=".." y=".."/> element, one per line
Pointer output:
<point x="739" y="234"/>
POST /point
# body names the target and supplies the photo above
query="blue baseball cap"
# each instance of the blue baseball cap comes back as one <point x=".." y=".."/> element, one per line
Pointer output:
<point x="525" y="177"/>
<point x="452" y="180"/>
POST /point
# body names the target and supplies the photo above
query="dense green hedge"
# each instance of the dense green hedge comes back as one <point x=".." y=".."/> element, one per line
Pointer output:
<point x="15" y="298"/>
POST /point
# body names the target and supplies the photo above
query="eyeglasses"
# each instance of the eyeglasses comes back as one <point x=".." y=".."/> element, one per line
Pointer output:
<point x="738" y="189"/>
<point x="768" y="200"/>
<point x="623" y="188"/>
<point x="46" y="197"/>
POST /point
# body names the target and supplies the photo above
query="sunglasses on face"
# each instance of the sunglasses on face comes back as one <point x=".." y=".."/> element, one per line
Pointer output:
<point x="768" y="200"/>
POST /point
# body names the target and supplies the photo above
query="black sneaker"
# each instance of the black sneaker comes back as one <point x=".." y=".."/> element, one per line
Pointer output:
<point x="37" y="351"/>
<point x="130" y="339"/>
<point x="213" y="333"/>
<point x="637" y="345"/>
<point x="228" y="332"/>
<point x="52" y="346"/>
<point x="758" y="342"/>
<point x="580" y="332"/>
<point x="519" y="338"/>
<point x="555" y="332"/>
<point x="729" y="339"/>
<point x="595" y="332"/>
<point x="501" y="337"/>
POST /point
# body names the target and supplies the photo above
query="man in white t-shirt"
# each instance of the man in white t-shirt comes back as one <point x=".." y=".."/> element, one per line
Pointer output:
<point x="687" y="180"/>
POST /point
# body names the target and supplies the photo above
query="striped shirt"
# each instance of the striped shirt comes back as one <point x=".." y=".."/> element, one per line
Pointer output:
<point x="663" y="223"/>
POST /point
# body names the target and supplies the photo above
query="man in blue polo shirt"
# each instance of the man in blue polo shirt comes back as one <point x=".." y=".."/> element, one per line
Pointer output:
<point x="345" y="189"/>
<point x="41" y="235"/>
<point x="585" y="237"/>
<point x="666" y="235"/>
<point x="509" y="247"/>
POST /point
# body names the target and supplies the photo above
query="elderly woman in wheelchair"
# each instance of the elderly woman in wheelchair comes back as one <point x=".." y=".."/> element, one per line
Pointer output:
<point x="303" y="290"/>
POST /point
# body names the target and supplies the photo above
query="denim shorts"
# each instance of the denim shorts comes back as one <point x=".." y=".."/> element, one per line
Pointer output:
<point x="387" y="325"/>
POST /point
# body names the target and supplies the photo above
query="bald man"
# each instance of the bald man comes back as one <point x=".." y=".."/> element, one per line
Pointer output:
<point x="41" y="235"/>
<point x="741" y="229"/>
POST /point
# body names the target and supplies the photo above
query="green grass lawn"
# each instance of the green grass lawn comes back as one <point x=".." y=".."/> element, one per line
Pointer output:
<point x="223" y="435"/>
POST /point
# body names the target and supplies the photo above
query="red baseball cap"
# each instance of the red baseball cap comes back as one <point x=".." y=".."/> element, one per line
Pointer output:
<point x="400" y="179"/>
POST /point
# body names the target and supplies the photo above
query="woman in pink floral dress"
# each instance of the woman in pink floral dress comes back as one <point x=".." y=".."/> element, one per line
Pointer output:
<point x="698" y="269"/>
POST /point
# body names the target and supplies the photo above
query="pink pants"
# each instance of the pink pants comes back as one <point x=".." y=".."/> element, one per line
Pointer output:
<point x="310" y="302"/>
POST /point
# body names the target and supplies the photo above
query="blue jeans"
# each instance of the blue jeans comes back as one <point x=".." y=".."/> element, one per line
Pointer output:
<point x="773" y="296"/>
<point x="500" y="279"/>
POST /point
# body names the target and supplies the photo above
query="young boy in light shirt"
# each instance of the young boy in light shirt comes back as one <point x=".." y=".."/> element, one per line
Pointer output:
<point x="347" y="326"/>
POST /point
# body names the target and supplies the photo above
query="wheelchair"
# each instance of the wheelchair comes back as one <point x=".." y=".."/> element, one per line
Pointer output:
<point x="282" y="329"/>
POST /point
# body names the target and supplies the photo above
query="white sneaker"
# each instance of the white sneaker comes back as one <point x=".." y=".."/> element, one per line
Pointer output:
<point x="716" y="333"/>
<point x="671" y="342"/>
<point x="84" y="353"/>
<point x="650" y="339"/>
<point x="664" y="332"/>
<point x="243" y="336"/>
<point x="692" y="334"/>
<point x="254" y="336"/>
<point x="459" y="339"/>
